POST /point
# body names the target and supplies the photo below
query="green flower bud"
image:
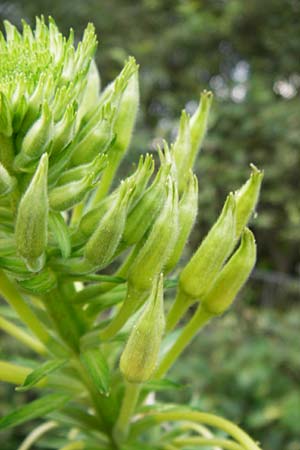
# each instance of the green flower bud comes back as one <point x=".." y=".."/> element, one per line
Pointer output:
<point x="198" y="125"/>
<point x="5" y="116"/>
<point x="63" y="131"/>
<point x="187" y="213"/>
<point x="7" y="182"/>
<point x="32" y="219"/>
<point x="147" y="208"/>
<point x="126" y="114"/>
<point x="181" y="150"/>
<point x="149" y="261"/>
<point x="97" y="139"/>
<point x="232" y="277"/>
<point x="139" y="179"/>
<point x="67" y="195"/>
<point x="199" y="274"/>
<point x="246" y="199"/>
<point x="37" y="139"/>
<point x="78" y="172"/>
<point x="103" y="243"/>
<point x="139" y="358"/>
<point x="91" y="92"/>
<point x="159" y="244"/>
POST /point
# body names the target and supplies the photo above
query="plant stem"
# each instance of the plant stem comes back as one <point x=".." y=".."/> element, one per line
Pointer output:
<point x="36" y="434"/>
<point x="129" y="402"/>
<point x="208" y="419"/>
<point x="10" y="293"/>
<point x="77" y="445"/>
<point x="193" y="441"/>
<point x="178" y="309"/>
<point x="22" y="336"/>
<point x="200" y="318"/>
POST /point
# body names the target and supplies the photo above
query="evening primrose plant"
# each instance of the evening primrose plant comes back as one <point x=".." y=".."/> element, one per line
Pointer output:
<point x="86" y="259"/>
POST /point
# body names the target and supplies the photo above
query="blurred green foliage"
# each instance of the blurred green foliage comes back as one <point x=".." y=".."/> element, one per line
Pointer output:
<point x="248" y="54"/>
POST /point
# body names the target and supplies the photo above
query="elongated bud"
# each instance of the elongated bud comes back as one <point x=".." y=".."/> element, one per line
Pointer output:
<point x="126" y="114"/>
<point x="139" y="180"/>
<point x="7" y="182"/>
<point x="139" y="358"/>
<point x="32" y="219"/>
<point x="246" y="199"/>
<point x="187" y="213"/>
<point x="36" y="141"/>
<point x="147" y="208"/>
<point x="63" y="131"/>
<point x="198" y="124"/>
<point x="232" y="277"/>
<point x="92" y="141"/>
<point x="66" y="196"/>
<point x="181" y="150"/>
<point x="78" y="172"/>
<point x="199" y="274"/>
<point x="103" y="243"/>
<point x="159" y="244"/>
<point x="149" y="261"/>
<point x="5" y="116"/>
<point x="91" y="92"/>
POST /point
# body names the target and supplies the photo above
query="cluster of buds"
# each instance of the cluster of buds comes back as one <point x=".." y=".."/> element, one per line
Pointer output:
<point x="61" y="142"/>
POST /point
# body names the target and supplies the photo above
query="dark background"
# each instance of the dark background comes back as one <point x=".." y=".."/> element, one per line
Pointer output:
<point x="245" y="366"/>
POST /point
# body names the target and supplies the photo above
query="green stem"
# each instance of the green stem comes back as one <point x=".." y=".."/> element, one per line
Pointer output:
<point x="77" y="445"/>
<point x="203" y="442"/>
<point x="128" y="406"/>
<point x="22" y="336"/>
<point x="200" y="318"/>
<point x="178" y="309"/>
<point x="10" y="293"/>
<point x="208" y="419"/>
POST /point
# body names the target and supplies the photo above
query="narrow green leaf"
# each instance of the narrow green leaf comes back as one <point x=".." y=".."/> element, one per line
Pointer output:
<point x="96" y="365"/>
<point x="36" y="409"/>
<point x="60" y="230"/>
<point x="162" y="385"/>
<point x="40" y="372"/>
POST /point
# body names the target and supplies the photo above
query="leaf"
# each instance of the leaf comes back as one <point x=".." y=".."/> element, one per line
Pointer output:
<point x="97" y="367"/>
<point x="60" y="230"/>
<point x="41" y="282"/>
<point x="36" y="375"/>
<point x="36" y="409"/>
<point x="162" y="385"/>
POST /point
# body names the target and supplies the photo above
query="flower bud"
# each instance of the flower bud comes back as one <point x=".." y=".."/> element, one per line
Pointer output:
<point x="5" y="116"/>
<point x="246" y="198"/>
<point x="232" y="277"/>
<point x="91" y="92"/>
<point x="7" y="182"/>
<point x="91" y="142"/>
<point x="78" y="172"/>
<point x="140" y="356"/>
<point x="149" y="261"/>
<point x="147" y="208"/>
<point x="126" y="113"/>
<point x="36" y="140"/>
<point x="63" y="131"/>
<point x="181" y="150"/>
<point x="187" y="212"/>
<point x="32" y="219"/>
<point x="139" y="180"/>
<point x="199" y="274"/>
<point x="103" y="243"/>
<point x="159" y="244"/>
<point x="198" y="125"/>
<point x="67" y="195"/>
